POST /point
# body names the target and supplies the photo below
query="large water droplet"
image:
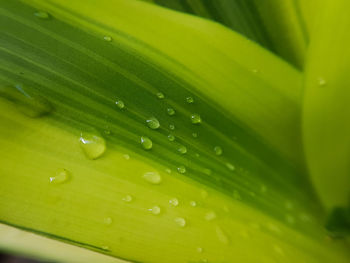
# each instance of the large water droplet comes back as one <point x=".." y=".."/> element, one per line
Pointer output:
<point x="181" y="169"/>
<point x="196" y="118"/>
<point x="127" y="198"/>
<point x="180" y="221"/>
<point x="152" y="177"/>
<point x="190" y="100"/>
<point x="61" y="176"/>
<point x="221" y="235"/>
<point x="146" y="143"/>
<point x="93" y="145"/>
<point x="153" y="123"/>
<point x="209" y="216"/>
<point x="42" y="14"/>
<point x="182" y="149"/>
<point x="107" y="220"/>
<point x="160" y="95"/>
<point x="174" y="201"/>
<point x="107" y="38"/>
<point x="218" y="150"/>
<point x="230" y="166"/>
<point x="120" y="104"/>
<point x="171" y="137"/>
<point x="170" y="111"/>
<point x="155" y="210"/>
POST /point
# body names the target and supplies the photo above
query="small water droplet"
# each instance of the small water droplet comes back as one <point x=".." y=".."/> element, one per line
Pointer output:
<point x="126" y="156"/>
<point x="168" y="170"/>
<point x="230" y="166"/>
<point x="155" y="210"/>
<point x="190" y="100"/>
<point x="107" y="220"/>
<point x="199" y="249"/>
<point x="93" y="145"/>
<point x="146" y="143"/>
<point x="42" y="14"/>
<point x="209" y="216"/>
<point x="182" y="149"/>
<point x="181" y="169"/>
<point x="107" y="38"/>
<point x="127" y="198"/>
<point x="196" y="118"/>
<point x="193" y="203"/>
<point x="174" y="201"/>
<point x="61" y="176"/>
<point x="255" y="70"/>
<point x="197" y="155"/>
<point x="321" y="82"/>
<point x="221" y="235"/>
<point x="218" y="150"/>
<point x="160" y="95"/>
<point x="171" y="137"/>
<point x="170" y="111"/>
<point x="120" y="104"/>
<point x="152" y="177"/>
<point x="180" y="221"/>
<point x="153" y="123"/>
<point x="194" y="135"/>
<point x="171" y="126"/>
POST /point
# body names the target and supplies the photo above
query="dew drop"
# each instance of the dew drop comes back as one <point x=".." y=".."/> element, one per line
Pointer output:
<point x="42" y="14"/>
<point x="218" y="150"/>
<point x="221" y="235"/>
<point x="126" y="156"/>
<point x="93" y="145"/>
<point x="146" y="143"/>
<point x="160" y="95"/>
<point x="230" y="166"/>
<point x="181" y="169"/>
<point x="180" y="221"/>
<point x="196" y="118"/>
<point x="153" y="123"/>
<point x="194" y="135"/>
<point x="190" y="100"/>
<point x="321" y="82"/>
<point x="171" y="137"/>
<point x="171" y="126"/>
<point x="168" y="170"/>
<point x="193" y="203"/>
<point x="174" y="201"/>
<point x="182" y="149"/>
<point x="170" y="111"/>
<point x="127" y="198"/>
<point x="108" y="221"/>
<point x="61" y="176"/>
<point x="107" y="38"/>
<point x="155" y="210"/>
<point x="120" y="104"/>
<point x="199" y="249"/>
<point x="152" y="177"/>
<point x="210" y="216"/>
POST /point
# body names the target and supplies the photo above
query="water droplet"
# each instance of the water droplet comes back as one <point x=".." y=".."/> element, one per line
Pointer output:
<point x="182" y="149"/>
<point x="126" y="156"/>
<point x="153" y="123"/>
<point x="321" y="82"/>
<point x="218" y="150"/>
<point x="193" y="203"/>
<point x="197" y="155"/>
<point x="180" y="221"/>
<point x="61" y="176"/>
<point x="108" y="221"/>
<point x="171" y="137"/>
<point x="210" y="216"/>
<point x="230" y="166"/>
<point x="155" y="210"/>
<point x="152" y="177"/>
<point x="92" y="145"/>
<point x="171" y="126"/>
<point x="168" y="170"/>
<point x="160" y="95"/>
<point x="127" y="198"/>
<point x="174" y="201"/>
<point x="194" y="135"/>
<point x="196" y="118"/>
<point x="255" y="70"/>
<point x="107" y="38"/>
<point x="170" y="111"/>
<point x="236" y="195"/>
<point x="181" y="169"/>
<point x="146" y="143"/>
<point x="199" y="249"/>
<point x="120" y="104"/>
<point x="221" y="235"/>
<point x="189" y="100"/>
<point x="42" y="14"/>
